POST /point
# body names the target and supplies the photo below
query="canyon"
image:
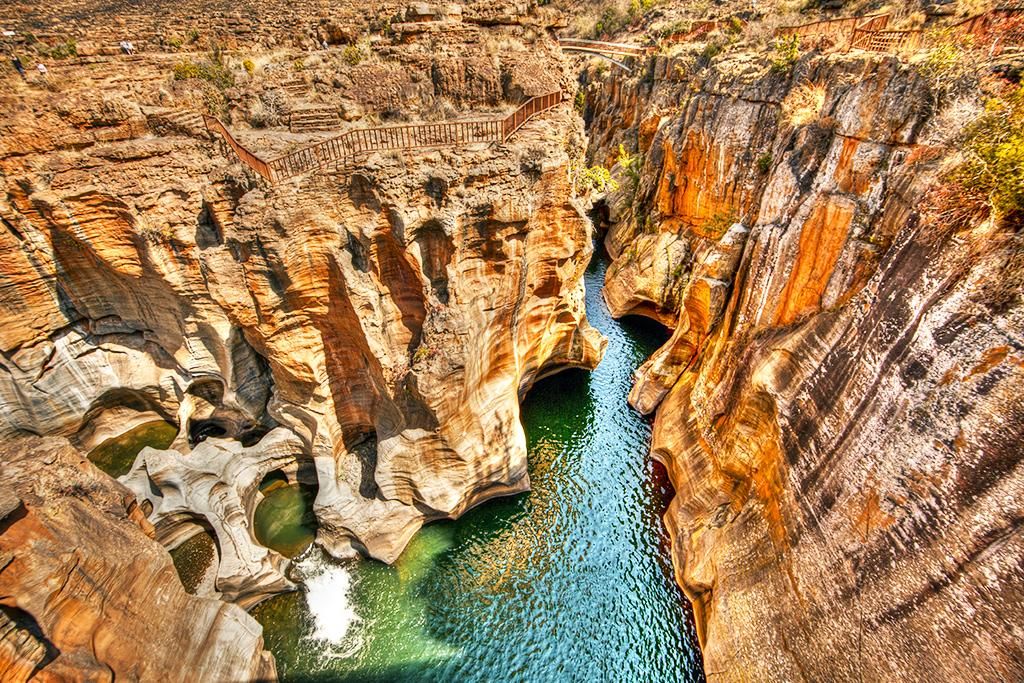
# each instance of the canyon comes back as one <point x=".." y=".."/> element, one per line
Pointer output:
<point x="835" y="402"/>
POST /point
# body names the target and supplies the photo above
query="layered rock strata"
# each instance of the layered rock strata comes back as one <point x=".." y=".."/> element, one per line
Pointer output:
<point x="87" y="594"/>
<point x="390" y="315"/>
<point x="837" y="406"/>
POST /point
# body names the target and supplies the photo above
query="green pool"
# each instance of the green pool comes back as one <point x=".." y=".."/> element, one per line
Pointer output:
<point x="569" y="582"/>
<point x="117" y="455"/>
<point x="284" y="519"/>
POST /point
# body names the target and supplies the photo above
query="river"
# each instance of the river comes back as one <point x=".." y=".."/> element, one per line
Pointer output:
<point x="568" y="582"/>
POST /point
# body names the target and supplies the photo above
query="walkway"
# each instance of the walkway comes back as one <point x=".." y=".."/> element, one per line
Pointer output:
<point x="598" y="47"/>
<point x="606" y="51"/>
<point x="996" y="29"/>
<point x="344" y="148"/>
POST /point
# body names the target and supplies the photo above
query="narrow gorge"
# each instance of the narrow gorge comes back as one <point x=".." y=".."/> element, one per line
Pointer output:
<point x="511" y="341"/>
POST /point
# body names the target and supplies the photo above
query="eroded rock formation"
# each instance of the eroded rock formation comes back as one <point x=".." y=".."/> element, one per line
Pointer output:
<point x="837" y="405"/>
<point x="87" y="594"/>
<point x="214" y="487"/>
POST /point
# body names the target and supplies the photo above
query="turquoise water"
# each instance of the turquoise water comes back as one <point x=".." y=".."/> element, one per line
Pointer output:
<point x="569" y="582"/>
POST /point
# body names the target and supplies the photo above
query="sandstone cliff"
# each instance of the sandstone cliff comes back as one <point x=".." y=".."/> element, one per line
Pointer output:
<point x="838" y="404"/>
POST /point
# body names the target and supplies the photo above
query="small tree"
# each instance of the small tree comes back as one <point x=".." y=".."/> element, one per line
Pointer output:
<point x="787" y="52"/>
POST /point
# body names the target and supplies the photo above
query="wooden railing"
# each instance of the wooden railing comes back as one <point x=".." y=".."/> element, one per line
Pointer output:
<point x="698" y="29"/>
<point x="600" y="47"/>
<point x="839" y="31"/>
<point x="999" y="28"/>
<point x="531" y="108"/>
<point x="214" y="125"/>
<point x="996" y="28"/>
<point x="887" y="40"/>
<point x="346" y="147"/>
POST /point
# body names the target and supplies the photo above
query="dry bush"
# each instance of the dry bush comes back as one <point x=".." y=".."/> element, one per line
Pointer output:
<point x="952" y="119"/>
<point x="269" y="109"/>
<point x="804" y="103"/>
<point x="440" y="109"/>
<point x="987" y="180"/>
<point x="950" y="65"/>
<point x="762" y="32"/>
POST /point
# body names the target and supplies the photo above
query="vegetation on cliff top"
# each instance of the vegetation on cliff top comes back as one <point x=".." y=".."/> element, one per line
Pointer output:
<point x="992" y="173"/>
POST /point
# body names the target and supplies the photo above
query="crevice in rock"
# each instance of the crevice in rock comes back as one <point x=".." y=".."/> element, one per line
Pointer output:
<point x="13" y="230"/>
<point x="436" y="250"/>
<point x="200" y="430"/>
<point x="28" y="645"/>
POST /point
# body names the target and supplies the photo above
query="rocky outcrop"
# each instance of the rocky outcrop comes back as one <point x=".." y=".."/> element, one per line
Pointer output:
<point x="86" y="594"/>
<point x="837" y="405"/>
<point x="215" y="487"/>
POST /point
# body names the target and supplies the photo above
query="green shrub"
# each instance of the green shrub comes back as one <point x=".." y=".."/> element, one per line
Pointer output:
<point x="213" y="69"/>
<point x="786" y="53"/>
<point x="580" y="101"/>
<point x="630" y="163"/>
<point x="174" y="42"/>
<point x="187" y="69"/>
<point x="680" y="26"/>
<point x="638" y="8"/>
<point x="62" y="50"/>
<point x="764" y="162"/>
<point x="611" y="21"/>
<point x="193" y="36"/>
<point x="249" y="66"/>
<point x="352" y="55"/>
<point x="717" y="225"/>
<point x="993" y="147"/>
<point x="598" y="179"/>
<point x="712" y="50"/>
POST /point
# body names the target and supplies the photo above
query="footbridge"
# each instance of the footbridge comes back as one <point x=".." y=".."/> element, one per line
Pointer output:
<point x="344" y="149"/>
<point x="607" y="51"/>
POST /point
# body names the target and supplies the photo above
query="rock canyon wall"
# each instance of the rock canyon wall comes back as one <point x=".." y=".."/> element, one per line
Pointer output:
<point x="838" y="405"/>
<point x="367" y="330"/>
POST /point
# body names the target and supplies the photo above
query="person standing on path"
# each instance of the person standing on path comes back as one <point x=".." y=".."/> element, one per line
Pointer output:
<point x="18" y="66"/>
<point x="43" y="71"/>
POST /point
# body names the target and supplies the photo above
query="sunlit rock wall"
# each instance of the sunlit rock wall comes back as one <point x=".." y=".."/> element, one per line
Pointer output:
<point x="838" y="404"/>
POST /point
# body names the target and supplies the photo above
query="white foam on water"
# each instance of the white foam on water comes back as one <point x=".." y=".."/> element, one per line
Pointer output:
<point x="328" y="594"/>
